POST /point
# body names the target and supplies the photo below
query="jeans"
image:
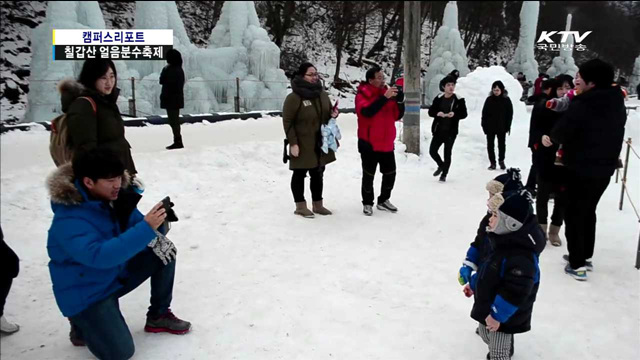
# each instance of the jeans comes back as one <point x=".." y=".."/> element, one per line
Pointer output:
<point x="102" y="325"/>
<point x="370" y="161"/>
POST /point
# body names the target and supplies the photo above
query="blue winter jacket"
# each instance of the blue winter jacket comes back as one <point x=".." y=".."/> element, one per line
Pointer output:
<point x="87" y="247"/>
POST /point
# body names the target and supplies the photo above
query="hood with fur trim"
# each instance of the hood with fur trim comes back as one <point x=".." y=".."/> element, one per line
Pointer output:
<point x="62" y="187"/>
<point x="69" y="90"/>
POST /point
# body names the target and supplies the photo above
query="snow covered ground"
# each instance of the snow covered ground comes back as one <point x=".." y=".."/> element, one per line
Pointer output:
<point x="260" y="283"/>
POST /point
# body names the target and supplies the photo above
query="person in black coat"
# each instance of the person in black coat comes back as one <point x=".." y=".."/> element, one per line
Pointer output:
<point x="591" y="132"/>
<point x="172" y="80"/>
<point x="549" y="87"/>
<point x="447" y="110"/>
<point x="506" y="284"/>
<point x="10" y="269"/>
<point x="497" y="114"/>
<point x="550" y="176"/>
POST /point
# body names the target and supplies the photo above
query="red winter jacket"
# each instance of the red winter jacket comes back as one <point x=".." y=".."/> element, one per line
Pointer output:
<point x="379" y="128"/>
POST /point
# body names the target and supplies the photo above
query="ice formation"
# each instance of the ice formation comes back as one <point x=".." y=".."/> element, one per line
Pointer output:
<point x="524" y="60"/>
<point x="635" y="76"/>
<point x="449" y="52"/>
<point x="564" y="64"/>
<point x="238" y="48"/>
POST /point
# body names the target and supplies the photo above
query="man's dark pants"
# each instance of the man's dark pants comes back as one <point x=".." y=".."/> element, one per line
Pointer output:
<point x="583" y="195"/>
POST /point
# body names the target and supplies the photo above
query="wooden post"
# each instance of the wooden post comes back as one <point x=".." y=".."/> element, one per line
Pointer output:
<point x="624" y="173"/>
<point x="237" y="98"/>
<point x="411" y="122"/>
<point x="132" y="101"/>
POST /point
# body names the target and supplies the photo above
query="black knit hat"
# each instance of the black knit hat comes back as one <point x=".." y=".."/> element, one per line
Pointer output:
<point x="517" y="205"/>
<point x="445" y="80"/>
<point x="513" y="209"/>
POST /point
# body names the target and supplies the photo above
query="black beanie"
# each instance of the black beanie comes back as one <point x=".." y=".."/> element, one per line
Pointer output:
<point x="517" y="205"/>
<point x="445" y="80"/>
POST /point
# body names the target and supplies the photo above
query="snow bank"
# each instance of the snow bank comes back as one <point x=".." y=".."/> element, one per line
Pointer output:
<point x="476" y="86"/>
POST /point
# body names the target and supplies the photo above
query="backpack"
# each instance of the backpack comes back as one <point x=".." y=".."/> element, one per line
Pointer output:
<point x="61" y="152"/>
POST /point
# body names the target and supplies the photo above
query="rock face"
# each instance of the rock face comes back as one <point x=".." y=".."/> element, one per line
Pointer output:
<point x="17" y="19"/>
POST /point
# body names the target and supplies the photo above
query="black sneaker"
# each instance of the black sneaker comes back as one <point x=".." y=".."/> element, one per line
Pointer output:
<point x="175" y="146"/>
<point x="367" y="210"/>
<point x="492" y="167"/>
<point x="438" y="172"/>
<point x="443" y="178"/>
<point x="167" y="323"/>
<point x="502" y="165"/>
<point x="387" y="206"/>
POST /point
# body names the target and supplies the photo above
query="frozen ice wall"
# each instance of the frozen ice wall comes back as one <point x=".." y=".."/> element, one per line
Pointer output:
<point x="564" y="64"/>
<point x="449" y="52"/>
<point x="239" y="48"/>
<point x="252" y="57"/>
<point x="524" y="60"/>
<point x="43" y="98"/>
<point x="635" y="76"/>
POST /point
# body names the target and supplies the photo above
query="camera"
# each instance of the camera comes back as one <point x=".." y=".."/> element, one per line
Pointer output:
<point x="168" y="208"/>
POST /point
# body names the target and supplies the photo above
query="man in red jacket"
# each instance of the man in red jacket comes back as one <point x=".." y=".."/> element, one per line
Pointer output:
<point x="378" y="107"/>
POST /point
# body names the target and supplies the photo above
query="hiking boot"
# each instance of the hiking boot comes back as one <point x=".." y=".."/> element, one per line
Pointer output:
<point x="587" y="263"/>
<point x="167" y="323"/>
<point x="443" y="178"/>
<point x="579" y="274"/>
<point x="492" y="166"/>
<point x="554" y="235"/>
<point x="302" y="210"/>
<point x="319" y="209"/>
<point x="437" y="172"/>
<point x="502" y="165"/>
<point x="367" y="210"/>
<point x="387" y="206"/>
<point x="7" y="327"/>
<point x="75" y="337"/>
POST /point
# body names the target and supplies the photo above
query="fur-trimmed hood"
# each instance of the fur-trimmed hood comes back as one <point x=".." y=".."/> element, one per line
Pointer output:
<point x="69" y="90"/>
<point x="62" y="187"/>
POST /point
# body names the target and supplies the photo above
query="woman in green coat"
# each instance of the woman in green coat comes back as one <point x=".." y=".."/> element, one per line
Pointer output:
<point x="304" y="111"/>
<point x="93" y="116"/>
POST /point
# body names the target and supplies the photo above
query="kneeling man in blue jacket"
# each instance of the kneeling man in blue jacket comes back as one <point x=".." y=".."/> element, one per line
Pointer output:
<point x="101" y="248"/>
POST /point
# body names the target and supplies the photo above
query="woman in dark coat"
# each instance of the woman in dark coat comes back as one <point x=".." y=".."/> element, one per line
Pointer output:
<point x="93" y="117"/>
<point x="305" y="109"/>
<point x="172" y="97"/>
<point x="497" y="114"/>
<point x="551" y="178"/>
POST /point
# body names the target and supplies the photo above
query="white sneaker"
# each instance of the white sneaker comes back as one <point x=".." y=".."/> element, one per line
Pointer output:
<point x="7" y="327"/>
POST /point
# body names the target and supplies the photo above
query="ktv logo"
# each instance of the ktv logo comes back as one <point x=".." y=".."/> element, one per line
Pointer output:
<point x="546" y="43"/>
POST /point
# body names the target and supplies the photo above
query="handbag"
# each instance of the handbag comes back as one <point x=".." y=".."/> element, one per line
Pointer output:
<point x="285" y="154"/>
